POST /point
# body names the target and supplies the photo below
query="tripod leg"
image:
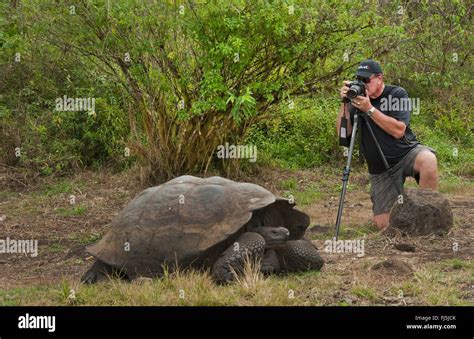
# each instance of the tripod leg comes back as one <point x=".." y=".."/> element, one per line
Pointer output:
<point x="345" y="173"/>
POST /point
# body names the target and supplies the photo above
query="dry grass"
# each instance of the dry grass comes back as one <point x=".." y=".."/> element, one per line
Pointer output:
<point x="251" y="277"/>
<point x="434" y="284"/>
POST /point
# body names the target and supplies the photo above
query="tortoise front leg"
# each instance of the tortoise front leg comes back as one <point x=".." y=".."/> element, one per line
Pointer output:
<point x="299" y="255"/>
<point x="270" y="264"/>
<point x="249" y="245"/>
<point x="98" y="271"/>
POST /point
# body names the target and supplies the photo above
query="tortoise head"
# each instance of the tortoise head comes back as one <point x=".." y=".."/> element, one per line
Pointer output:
<point x="274" y="236"/>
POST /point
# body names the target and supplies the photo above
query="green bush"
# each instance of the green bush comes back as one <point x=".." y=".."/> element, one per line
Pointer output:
<point x="231" y="64"/>
<point x="299" y="137"/>
<point x="454" y="157"/>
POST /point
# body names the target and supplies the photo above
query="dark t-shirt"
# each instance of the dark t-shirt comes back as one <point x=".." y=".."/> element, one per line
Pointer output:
<point x="393" y="149"/>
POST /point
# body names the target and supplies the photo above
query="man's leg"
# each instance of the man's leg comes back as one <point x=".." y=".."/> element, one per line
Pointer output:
<point x="427" y="166"/>
<point x="383" y="194"/>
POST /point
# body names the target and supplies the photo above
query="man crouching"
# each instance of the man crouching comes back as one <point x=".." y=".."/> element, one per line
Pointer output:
<point x="391" y="126"/>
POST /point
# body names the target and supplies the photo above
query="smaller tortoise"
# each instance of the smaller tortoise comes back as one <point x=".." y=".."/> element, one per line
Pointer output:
<point x="211" y="223"/>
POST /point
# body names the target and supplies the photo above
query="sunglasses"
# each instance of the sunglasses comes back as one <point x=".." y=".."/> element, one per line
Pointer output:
<point x="365" y="80"/>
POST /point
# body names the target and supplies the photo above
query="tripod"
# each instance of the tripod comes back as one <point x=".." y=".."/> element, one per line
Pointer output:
<point x="347" y="168"/>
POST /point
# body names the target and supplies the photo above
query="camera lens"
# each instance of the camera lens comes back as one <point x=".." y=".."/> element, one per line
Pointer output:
<point x="353" y="92"/>
<point x="356" y="88"/>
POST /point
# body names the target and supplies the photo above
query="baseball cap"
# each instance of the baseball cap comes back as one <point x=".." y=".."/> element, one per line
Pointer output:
<point x="368" y="67"/>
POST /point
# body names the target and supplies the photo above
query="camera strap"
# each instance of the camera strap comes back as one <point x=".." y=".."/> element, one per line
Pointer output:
<point x="344" y="138"/>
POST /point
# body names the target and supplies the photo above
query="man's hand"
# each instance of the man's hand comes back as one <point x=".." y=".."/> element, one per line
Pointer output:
<point x="362" y="103"/>
<point x="344" y="89"/>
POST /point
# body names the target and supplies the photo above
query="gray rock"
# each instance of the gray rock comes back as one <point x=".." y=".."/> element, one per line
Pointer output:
<point x="422" y="212"/>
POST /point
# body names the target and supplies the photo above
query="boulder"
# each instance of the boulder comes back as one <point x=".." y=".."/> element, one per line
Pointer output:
<point x="422" y="212"/>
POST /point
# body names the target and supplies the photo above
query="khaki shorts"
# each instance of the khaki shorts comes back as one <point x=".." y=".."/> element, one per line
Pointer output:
<point x="383" y="192"/>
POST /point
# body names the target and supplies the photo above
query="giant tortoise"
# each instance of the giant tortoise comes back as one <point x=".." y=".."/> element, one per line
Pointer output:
<point x="212" y="223"/>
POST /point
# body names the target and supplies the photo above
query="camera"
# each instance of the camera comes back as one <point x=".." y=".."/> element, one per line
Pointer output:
<point x="356" y="88"/>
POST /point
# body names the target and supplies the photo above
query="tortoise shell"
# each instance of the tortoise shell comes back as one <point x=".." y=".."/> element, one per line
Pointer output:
<point x="189" y="222"/>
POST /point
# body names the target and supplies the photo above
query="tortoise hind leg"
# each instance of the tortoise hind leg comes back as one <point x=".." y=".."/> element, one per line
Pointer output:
<point x="232" y="261"/>
<point x="299" y="255"/>
<point x="100" y="271"/>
